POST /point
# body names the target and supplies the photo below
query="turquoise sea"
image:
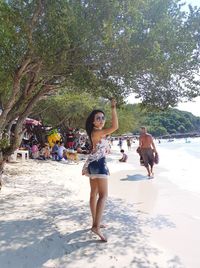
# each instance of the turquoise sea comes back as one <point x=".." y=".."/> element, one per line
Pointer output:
<point x="181" y="160"/>
<point x="189" y="145"/>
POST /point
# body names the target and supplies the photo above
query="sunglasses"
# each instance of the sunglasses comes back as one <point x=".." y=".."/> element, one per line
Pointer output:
<point x="100" y="118"/>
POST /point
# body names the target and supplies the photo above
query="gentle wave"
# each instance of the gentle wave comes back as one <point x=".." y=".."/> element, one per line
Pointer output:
<point x="182" y="160"/>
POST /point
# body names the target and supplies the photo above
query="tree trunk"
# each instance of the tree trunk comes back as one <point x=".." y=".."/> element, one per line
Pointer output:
<point x="2" y="163"/>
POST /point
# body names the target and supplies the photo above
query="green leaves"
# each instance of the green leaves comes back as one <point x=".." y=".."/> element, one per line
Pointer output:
<point x="170" y="121"/>
<point x="65" y="110"/>
<point x="4" y="144"/>
<point x="106" y="48"/>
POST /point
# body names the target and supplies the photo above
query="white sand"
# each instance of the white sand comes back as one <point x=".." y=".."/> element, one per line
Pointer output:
<point x="45" y="218"/>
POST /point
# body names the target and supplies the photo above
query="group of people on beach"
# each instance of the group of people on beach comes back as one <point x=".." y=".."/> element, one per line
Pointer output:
<point x="96" y="168"/>
<point x="129" y="142"/>
<point x="58" y="151"/>
<point x="44" y="152"/>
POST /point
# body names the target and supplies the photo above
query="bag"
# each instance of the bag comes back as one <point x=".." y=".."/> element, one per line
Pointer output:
<point x="138" y="150"/>
<point x="141" y="161"/>
<point x="156" y="158"/>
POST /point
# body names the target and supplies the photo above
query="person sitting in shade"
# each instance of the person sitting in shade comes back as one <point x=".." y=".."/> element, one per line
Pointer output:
<point x="124" y="156"/>
<point x="61" y="151"/>
<point x="54" y="151"/>
<point x="45" y="152"/>
<point x="35" y="150"/>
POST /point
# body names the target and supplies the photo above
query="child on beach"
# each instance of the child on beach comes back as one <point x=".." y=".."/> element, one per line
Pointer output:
<point x="35" y="150"/>
<point x="45" y="152"/>
<point x="54" y="152"/>
<point x="95" y="167"/>
<point x="124" y="156"/>
<point x="61" y="151"/>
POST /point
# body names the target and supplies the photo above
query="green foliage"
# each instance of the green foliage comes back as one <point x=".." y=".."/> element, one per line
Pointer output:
<point x="105" y="47"/>
<point x="4" y="143"/>
<point x="170" y="122"/>
<point x="53" y="131"/>
<point x="127" y="120"/>
<point x="65" y="110"/>
<point x="71" y="110"/>
<point x="102" y="47"/>
<point x="157" y="130"/>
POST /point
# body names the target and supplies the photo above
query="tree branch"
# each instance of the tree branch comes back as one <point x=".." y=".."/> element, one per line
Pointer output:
<point x="15" y="90"/>
<point x="34" y="19"/>
<point x="33" y="79"/>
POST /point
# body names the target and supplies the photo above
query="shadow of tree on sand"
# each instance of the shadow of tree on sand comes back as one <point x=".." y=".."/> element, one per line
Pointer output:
<point x="59" y="236"/>
<point x="42" y="225"/>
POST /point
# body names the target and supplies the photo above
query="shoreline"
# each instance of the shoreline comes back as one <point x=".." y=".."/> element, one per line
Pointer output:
<point x="45" y="219"/>
<point x="174" y="216"/>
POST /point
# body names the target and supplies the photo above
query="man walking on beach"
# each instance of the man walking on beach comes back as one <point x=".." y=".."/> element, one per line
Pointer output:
<point x="148" y="149"/>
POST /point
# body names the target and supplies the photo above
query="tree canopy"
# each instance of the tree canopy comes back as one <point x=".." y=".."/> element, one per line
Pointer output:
<point x="104" y="48"/>
<point x="67" y="110"/>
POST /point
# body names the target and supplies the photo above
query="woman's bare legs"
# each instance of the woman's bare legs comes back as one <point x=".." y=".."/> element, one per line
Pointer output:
<point x="100" y="187"/>
<point x="93" y="198"/>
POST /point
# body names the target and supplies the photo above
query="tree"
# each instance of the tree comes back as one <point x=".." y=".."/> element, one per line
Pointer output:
<point x="181" y="129"/>
<point x="172" y="65"/>
<point x="169" y="121"/>
<point x="157" y="131"/>
<point x="105" y="48"/>
<point x="70" y="110"/>
<point x="127" y="120"/>
<point x="65" y="110"/>
<point x="46" y="46"/>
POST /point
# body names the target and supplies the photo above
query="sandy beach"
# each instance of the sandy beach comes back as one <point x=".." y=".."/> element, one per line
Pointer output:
<point x="45" y="217"/>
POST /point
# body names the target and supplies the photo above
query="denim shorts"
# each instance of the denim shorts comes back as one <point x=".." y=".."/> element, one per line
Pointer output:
<point x="98" y="169"/>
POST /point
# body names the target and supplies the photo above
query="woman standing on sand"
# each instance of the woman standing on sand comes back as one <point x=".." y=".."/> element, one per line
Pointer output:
<point x="95" y="167"/>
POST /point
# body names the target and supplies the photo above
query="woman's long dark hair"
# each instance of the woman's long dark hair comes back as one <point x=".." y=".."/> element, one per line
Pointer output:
<point x="89" y="123"/>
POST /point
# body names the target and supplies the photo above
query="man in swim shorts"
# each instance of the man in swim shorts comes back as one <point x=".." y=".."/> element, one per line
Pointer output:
<point x="148" y="149"/>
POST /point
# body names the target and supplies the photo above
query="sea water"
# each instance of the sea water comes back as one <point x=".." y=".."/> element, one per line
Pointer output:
<point x="180" y="159"/>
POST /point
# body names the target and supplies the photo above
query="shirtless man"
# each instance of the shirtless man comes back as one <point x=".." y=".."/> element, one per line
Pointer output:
<point x="148" y="149"/>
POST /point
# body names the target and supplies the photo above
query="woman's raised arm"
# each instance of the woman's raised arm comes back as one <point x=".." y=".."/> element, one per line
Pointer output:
<point x="114" y="122"/>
